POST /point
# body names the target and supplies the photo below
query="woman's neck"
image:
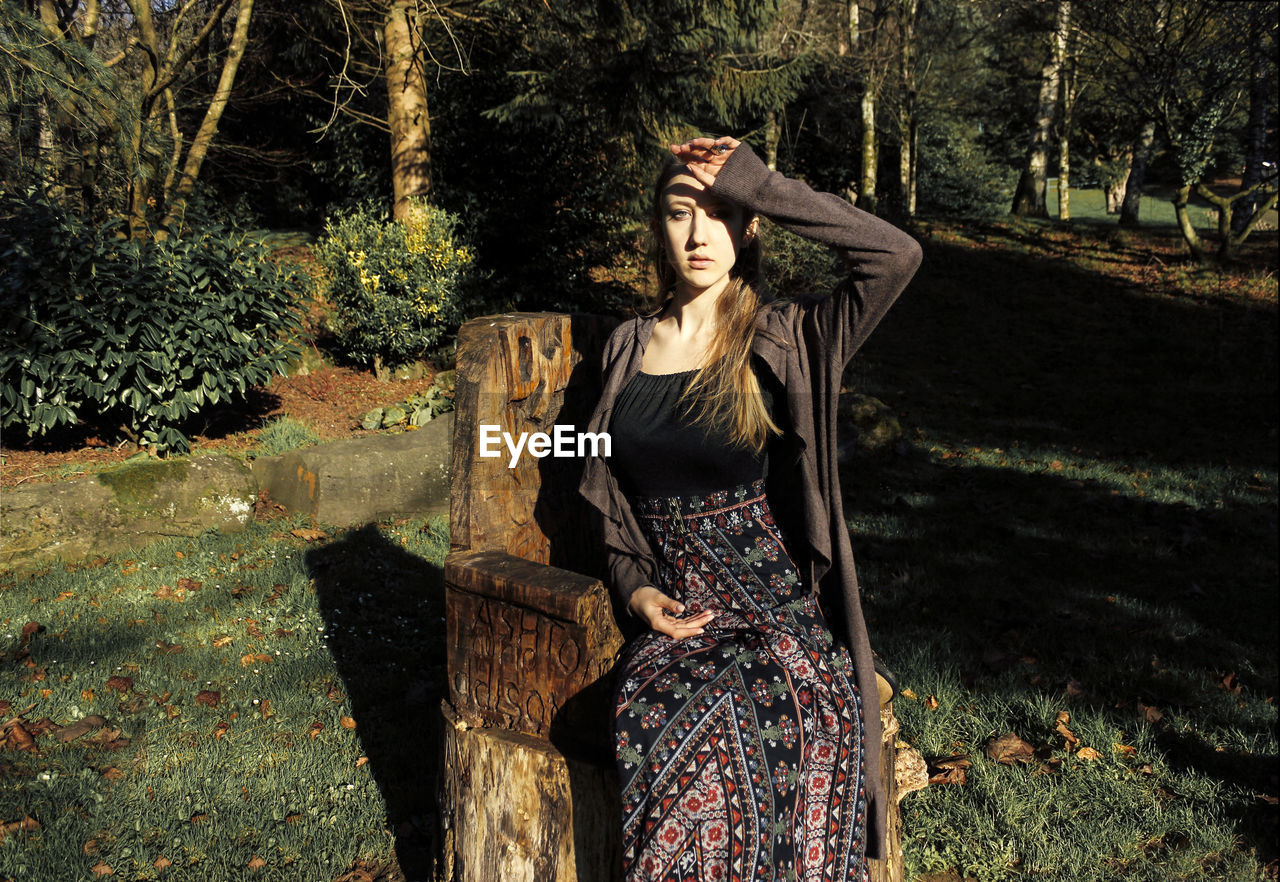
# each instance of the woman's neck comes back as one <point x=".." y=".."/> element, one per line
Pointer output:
<point x="693" y="311"/>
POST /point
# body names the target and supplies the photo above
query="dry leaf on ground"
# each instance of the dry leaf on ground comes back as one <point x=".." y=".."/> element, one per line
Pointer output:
<point x="208" y="697"/>
<point x="1060" y="726"/>
<point x="949" y="770"/>
<point x="347" y="722"/>
<point x="1009" y="749"/>
<point x="162" y="862"/>
<point x="120" y="684"/>
<point x="102" y="869"/>
<point x="1088" y="753"/>
<point x="257" y="863"/>
<point x="27" y="824"/>
<point x="309" y="535"/>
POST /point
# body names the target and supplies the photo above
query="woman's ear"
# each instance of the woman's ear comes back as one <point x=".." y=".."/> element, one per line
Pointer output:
<point x="752" y="230"/>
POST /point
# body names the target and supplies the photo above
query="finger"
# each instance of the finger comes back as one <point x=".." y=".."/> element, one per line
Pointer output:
<point x="702" y="175"/>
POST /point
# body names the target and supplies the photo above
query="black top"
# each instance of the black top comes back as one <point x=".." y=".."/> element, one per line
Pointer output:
<point x="657" y="449"/>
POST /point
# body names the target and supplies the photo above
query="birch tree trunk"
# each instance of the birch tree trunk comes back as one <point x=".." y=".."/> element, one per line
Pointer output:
<point x="772" y="135"/>
<point x="1062" y="38"/>
<point x="407" y="107"/>
<point x="212" y="117"/>
<point x="1029" y="199"/>
<point x="906" y="106"/>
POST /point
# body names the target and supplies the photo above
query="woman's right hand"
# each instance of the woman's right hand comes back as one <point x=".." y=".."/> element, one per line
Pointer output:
<point x="659" y="611"/>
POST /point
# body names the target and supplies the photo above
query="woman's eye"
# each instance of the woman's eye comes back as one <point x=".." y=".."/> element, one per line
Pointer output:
<point x="679" y="214"/>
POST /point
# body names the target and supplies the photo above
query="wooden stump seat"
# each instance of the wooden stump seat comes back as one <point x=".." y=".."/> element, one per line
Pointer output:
<point x="528" y="788"/>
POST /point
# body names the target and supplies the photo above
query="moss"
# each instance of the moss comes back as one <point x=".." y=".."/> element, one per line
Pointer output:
<point x="136" y="483"/>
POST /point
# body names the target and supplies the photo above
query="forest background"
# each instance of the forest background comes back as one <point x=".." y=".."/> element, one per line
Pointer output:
<point x="196" y="194"/>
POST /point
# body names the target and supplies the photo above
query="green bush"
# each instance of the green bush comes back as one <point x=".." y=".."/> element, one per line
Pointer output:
<point x="130" y="334"/>
<point x="397" y="288"/>
<point x="957" y="177"/>
<point x="794" y="265"/>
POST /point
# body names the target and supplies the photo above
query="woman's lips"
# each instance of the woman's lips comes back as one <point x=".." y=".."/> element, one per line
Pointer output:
<point x="700" y="262"/>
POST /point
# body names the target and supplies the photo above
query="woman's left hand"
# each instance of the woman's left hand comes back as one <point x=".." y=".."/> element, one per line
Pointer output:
<point x="705" y="156"/>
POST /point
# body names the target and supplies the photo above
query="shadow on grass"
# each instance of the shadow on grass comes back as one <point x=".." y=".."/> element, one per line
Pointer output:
<point x="384" y="612"/>
<point x="1088" y="515"/>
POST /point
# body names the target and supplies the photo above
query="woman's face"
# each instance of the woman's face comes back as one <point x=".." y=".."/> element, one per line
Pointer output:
<point x="702" y="233"/>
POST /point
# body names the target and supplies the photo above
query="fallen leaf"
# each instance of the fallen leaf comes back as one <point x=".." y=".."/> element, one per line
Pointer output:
<point x="347" y="722"/>
<point x="252" y="658"/>
<point x="1061" y="728"/>
<point x="86" y="695"/>
<point x="208" y="697"/>
<point x="162" y="862"/>
<point x="223" y="640"/>
<point x="1149" y="713"/>
<point x="29" y="630"/>
<point x="91" y="848"/>
<point x="1088" y="753"/>
<point x="120" y="684"/>
<point x="102" y="869"/>
<point x="265" y="709"/>
<point x="257" y="863"/>
<point x="1048" y="767"/>
<point x="333" y="693"/>
<point x="16" y="737"/>
<point x="316" y="728"/>
<point x="1126" y="749"/>
<point x="1056" y="465"/>
<point x="931" y="702"/>
<point x="361" y="761"/>
<point x="199" y="818"/>
<point x="1075" y="688"/>
<point x="949" y="770"/>
<point x="112" y="773"/>
<point x="185" y="584"/>
<point x="168" y="648"/>
<point x="1230" y="683"/>
<point x="220" y="729"/>
<point x="309" y="535"/>
<point x="293" y="818"/>
<point x="908" y="694"/>
<point x="9" y="828"/>
<point x="1009" y="749"/>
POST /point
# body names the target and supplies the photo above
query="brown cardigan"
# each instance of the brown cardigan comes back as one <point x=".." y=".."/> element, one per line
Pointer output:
<point x="806" y="343"/>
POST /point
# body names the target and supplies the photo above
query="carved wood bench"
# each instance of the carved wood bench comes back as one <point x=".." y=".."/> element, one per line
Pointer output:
<point x="528" y="788"/>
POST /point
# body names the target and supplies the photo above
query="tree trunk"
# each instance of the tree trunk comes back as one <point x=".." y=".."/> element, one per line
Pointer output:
<point x="213" y="115"/>
<point x="772" y="135"/>
<point x="1137" y="174"/>
<point x="1180" y="200"/>
<point x="1029" y="199"/>
<point x="906" y="105"/>
<point x="407" y="108"/>
<point x="1260" y="89"/>
<point x="865" y="192"/>
<point x="139" y="178"/>
<point x="1068" y="84"/>
<point x="870" y="152"/>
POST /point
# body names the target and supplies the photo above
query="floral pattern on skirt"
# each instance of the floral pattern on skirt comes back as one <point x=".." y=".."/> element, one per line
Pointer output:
<point x="740" y="752"/>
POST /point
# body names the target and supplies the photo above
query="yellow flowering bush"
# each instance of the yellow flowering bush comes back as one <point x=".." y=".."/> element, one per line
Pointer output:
<point x="397" y="287"/>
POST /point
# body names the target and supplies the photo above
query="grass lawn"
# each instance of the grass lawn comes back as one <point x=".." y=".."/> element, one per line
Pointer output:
<point x="1082" y="520"/>
<point x="262" y="706"/>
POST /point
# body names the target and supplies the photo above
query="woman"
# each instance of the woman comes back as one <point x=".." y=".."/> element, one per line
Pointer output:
<point x="742" y="737"/>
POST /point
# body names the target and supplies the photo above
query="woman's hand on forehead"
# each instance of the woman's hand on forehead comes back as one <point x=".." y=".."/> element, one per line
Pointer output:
<point x="704" y="157"/>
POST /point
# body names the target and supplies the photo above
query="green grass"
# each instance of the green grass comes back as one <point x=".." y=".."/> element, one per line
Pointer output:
<point x="284" y="434"/>
<point x="1155" y="210"/>
<point x="293" y="637"/>
<point x="1085" y="520"/>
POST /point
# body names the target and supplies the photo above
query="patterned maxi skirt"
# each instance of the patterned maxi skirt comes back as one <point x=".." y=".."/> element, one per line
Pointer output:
<point x="740" y="752"/>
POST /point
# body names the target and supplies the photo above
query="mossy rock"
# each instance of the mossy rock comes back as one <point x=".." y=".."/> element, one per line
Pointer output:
<point x="136" y="483"/>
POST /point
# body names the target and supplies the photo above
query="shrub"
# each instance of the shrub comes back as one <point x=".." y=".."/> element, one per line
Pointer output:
<point x="956" y="176"/>
<point x="794" y="265"/>
<point x="139" y="335"/>
<point x="397" y="288"/>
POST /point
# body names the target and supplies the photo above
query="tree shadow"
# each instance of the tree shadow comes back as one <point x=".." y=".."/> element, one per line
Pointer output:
<point x="1090" y="578"/>
<point x="384" y="614"/>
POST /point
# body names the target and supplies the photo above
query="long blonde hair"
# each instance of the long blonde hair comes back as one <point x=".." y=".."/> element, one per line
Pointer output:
<point x="724" y="394"/>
